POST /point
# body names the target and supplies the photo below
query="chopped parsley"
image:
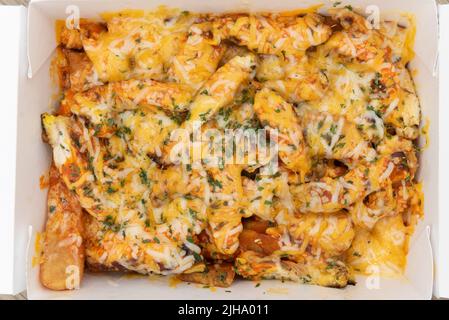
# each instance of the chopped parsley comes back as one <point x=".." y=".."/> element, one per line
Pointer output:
<point x="214" y="183"/>
<point x="144" y="177"/>
<point x="122" y="132"/>
<point x="197" y="257"/>
<point x="204" y="116"/>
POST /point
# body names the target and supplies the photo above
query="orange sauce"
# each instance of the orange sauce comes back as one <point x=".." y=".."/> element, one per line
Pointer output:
<point x="37" y="250"/>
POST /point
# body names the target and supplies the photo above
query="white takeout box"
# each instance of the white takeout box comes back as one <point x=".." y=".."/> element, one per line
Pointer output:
<point x="28" y="38"/>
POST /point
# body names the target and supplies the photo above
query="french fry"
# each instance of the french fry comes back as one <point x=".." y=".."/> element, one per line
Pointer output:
<point x="62" y="260"/>
<point x="217" y="275"/>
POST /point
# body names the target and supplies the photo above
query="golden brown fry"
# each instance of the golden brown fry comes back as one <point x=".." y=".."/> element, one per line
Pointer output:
<point x="225" y="219"/>
<point x="59" y="69"/>
<point x="273" y="111"/>
<point x="197" y="59"/>
<point x="266" y="35"/>
<point x="81" y="74"/>
<point x="99" y="102"/>
<point x="258" y="242"/>
<point x="72" y="38"/>
<point x="217" y="275"/>
<point x="307" y="270"/>
<point x="219" y="90"/>
<point x="331" y="233"/>
<point x="209" y="250"/>
<point x="62" y="262"/>
<point x="256" y="225"/>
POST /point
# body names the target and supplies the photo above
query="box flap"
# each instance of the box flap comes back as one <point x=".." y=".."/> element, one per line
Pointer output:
<point x="40" y="38"/>
<point x="12" y="26"/>
<point x="442" y="285"/>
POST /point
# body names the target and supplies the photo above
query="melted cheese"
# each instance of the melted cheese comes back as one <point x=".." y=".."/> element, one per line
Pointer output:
<point x="340" y="107"/>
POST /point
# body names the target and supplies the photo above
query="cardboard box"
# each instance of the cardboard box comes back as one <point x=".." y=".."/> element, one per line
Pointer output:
<point x="29" y="92"/>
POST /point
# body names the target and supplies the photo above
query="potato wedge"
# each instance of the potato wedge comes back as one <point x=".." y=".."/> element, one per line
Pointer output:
<point x="258" y="242"/>
<point x="62" y="260"/>
<point x="217" y="275"/>
<point x="72" y="38"/>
